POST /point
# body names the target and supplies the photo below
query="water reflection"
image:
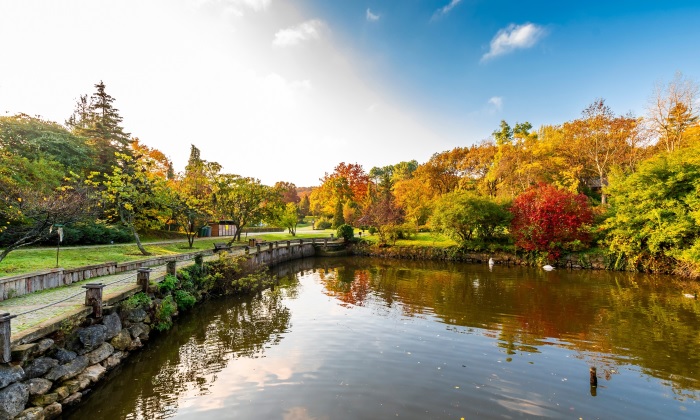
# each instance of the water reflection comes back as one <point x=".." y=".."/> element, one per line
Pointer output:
<point x="367" y="338"/>
<point x="607" y="318"/>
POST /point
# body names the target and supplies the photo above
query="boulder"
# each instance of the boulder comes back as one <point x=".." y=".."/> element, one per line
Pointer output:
<point x="68" y="370"/>
<point x="33" y="413"/>
<point x="44" y="400"/>
<point x="39" y="386"/>
<point x="52" y="411"/>
<point x="94" y="373"/>
<point x="140" y="330"/>
<point x="23" y="352"/>
<point x="136" y="315"/>
<point x="72" y="385"/>
<point x="122" y="341"/>
<point x="113" y="325"/>
<point x="13" y="399"/>
<point x="111" y="362"/>
<point x="64" y="356"/>
<point x="93" y="336"/>
<point x="10" y="374"/>
<point x="99" y="354"/>
<point x="135" y="344"/>
<point x="39" y="367"/>
<point x="44" y="345"/>
<point x="73" y="398"/>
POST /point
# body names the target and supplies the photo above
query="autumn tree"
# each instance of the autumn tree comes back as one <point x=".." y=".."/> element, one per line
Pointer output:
<point x="547" y="219"/>
<point x="190" y="200"/>
<point x="602" y="140"/>
<point x="382" y="214"/>
<point x="135" y="195"/>
<point x="672" y="110"/>
<point x="346" y="182"/>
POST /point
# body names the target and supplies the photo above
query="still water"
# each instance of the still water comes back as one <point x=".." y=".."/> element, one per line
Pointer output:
<point x="355" y="338"/>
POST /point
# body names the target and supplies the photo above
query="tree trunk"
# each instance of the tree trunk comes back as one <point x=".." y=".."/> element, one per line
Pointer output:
<point x="138" y="241"/>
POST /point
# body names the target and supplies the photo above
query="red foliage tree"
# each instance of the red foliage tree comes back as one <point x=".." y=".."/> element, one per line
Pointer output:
<point x="548" y="219"/>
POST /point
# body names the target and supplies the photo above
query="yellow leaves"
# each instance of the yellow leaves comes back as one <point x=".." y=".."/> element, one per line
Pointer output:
<point x="19" y="199"/>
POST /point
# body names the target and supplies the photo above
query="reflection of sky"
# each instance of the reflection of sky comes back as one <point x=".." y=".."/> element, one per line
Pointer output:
<point x="379" y="361"/>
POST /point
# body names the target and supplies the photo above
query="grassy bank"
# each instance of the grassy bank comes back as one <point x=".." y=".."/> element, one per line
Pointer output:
<point x="27" y="260"/>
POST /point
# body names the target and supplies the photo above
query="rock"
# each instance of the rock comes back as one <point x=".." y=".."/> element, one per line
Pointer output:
<point x="84" y="382"/>
<point x="52" y="411"/>
<point x="111" y="362"/>
<point x="62" y="392"/>
<point x="33" y="413"/>
<point x="92" y="336"/>
<point x="10" y="374"/>
<point x="113" y="325"/>
<point x="140" y="330"/>
<point x="44" y="345"/>
<point x="122" y="341"/>
<point x="39" y="367"/>
<point x="64" y="356"/>
<point x="73" y="398"/>
<point x="68" y="370"/>
<point x="72" y="385"/>
<point x="135" y="344"/>
<point x="23" y="351"/>
<point x="147" y="319"/>
<point x="13" y="399"/>
<point x="136" y="315"/>
<point x="44" y="400"/>
<point x="38" y="386"/>
<point x="99" y="354"/>
<point x="94" y="373"/>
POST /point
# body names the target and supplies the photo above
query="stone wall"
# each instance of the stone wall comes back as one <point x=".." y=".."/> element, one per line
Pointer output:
<point x="55" y="371"/>
<point x="48" y="279"/>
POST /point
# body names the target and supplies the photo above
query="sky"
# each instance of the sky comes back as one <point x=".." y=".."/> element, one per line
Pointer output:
<point x="284" y="90"/>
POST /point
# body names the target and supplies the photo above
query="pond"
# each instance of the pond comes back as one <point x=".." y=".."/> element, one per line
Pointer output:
<point x="360" y="338"/>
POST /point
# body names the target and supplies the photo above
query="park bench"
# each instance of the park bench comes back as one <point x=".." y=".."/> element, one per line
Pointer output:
<point x="221" y="246"/>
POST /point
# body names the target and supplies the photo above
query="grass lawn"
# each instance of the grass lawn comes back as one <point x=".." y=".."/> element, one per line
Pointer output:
<point x="27" y="260"/>
<point x="421" y="239"/>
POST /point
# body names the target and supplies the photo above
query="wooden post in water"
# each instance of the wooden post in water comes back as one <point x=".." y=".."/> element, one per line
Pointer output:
<point x="171" y="268"/>
<point x="5" y="338"/>
<point x="594" y="381"/>
<point x="93" y="297"/>
<point x="143" y="277"/>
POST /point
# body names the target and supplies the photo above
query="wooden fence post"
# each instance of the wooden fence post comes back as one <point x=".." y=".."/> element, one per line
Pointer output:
<point x="93" y="297"/>
<point x="143" y="277"/>
<point x="5" y="337"/>
<point x="171" y="268"/>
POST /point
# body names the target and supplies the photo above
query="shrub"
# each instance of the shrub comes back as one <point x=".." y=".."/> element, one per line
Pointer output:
<point x="138" y="300"/>
<point x="168" y="284"/>
<point x="346" y="232"/>
<point x="184" y="299"/>
<point x="547" y="219"/>
<point x="323" y="224"/>
<point x="164" y="313"/>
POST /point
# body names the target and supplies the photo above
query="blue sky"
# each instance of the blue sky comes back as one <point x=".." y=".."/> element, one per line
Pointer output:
<point x="287" y="89"/>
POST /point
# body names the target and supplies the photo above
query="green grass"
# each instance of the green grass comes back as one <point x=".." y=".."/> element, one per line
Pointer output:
<point x="422" y="239"/>
<point x="27" y="260"/>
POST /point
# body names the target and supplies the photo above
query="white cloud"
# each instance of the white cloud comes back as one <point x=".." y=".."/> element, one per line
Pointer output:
<point x="446" y="9"/>
<point x="309" y="30"/>
<point x="371" y="17"/>
<point x="512" y="38"/>
<point x="496" y="102"/>
<point x="237" y="7"/>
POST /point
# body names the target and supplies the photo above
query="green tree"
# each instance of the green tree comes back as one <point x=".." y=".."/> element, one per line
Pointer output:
<point x="134" y="195"/>
<point x="244" y="201"/>
<point x="654" y="219"/>
<point x="464" y="215"/>
<point x="99" y="122"/>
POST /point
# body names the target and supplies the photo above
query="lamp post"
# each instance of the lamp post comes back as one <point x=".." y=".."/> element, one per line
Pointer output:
<point x="59" y="230"/>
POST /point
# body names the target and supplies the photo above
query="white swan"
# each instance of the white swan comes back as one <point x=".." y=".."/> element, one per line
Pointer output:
<point x="491" y="262"/>
<point x="547" y="267"/>
<point x="689" y="296"/>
